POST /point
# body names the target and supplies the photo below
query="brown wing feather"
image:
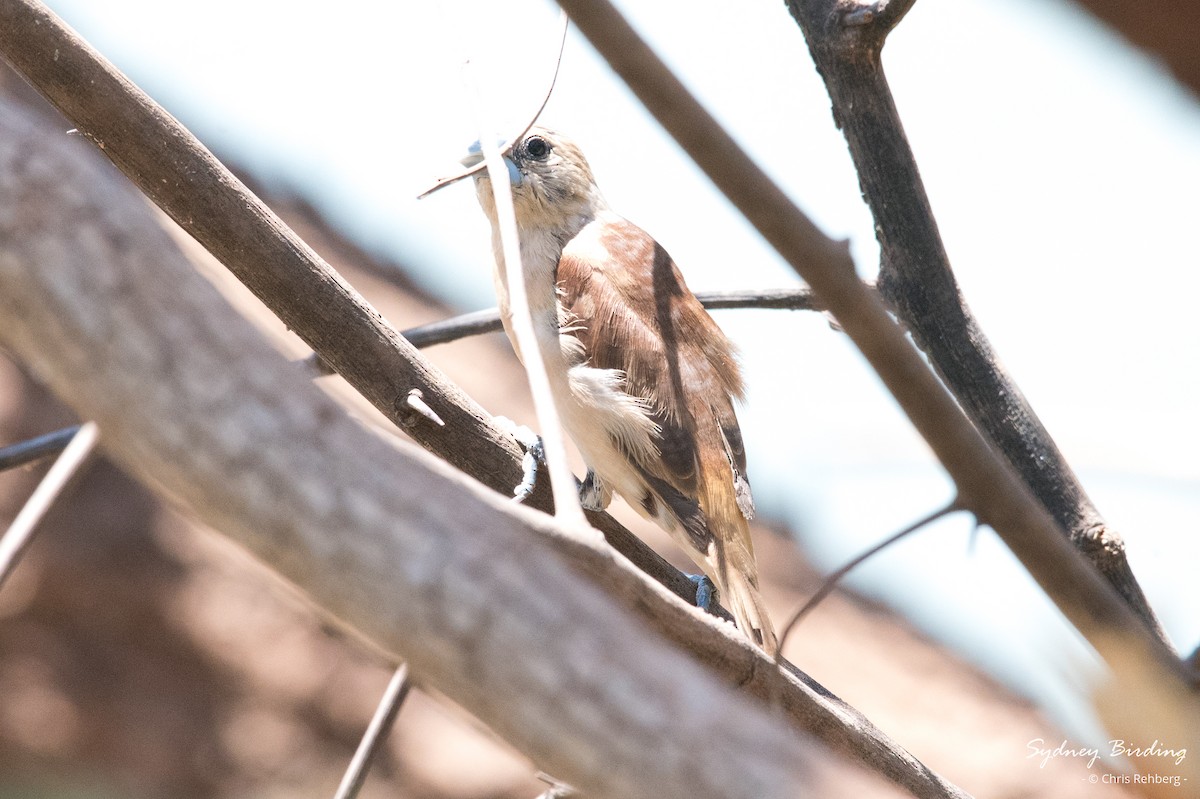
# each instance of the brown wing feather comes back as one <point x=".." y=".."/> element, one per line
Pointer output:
<point x="632" y="312"/>
<point x="636" y="314"/>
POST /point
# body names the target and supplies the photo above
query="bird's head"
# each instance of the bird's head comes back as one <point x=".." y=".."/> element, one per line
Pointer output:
<point x="551" y="181"/>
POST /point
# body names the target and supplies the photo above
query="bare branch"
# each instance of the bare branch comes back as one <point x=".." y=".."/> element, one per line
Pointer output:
<point x="986" y="484"/>
<point x="796" y="299"/>
<point x="376" y="734"/>
<point x="446" y="330"/>
<point x="16" y="539"/>
<point x="562" y="483"/>
<point x="477" y="323"/>
<point x="916" y="280"/>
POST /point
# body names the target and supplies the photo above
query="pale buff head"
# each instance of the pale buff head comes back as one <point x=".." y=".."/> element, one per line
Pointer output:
<point x="553" y="187"/>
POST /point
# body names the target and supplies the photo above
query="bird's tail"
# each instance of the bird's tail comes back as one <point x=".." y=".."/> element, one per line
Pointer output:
<point x="731" y="551"/>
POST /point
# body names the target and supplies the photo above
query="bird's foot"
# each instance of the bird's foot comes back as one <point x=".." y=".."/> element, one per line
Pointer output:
<point x="535" y="454"/>
<point x="706" y="592"/>
<point x="592" y="493"/>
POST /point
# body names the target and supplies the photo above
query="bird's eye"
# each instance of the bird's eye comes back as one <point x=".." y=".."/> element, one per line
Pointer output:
<point x="537" y="148"/>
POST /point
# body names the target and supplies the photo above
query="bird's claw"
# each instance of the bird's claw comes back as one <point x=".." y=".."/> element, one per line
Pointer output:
<point x="706" y="592"/>
<point x="591" y="492"/>
<point x="535" y="454"/>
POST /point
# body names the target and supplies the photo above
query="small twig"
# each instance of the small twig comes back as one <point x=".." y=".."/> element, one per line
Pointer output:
<point x="416" y="401"/>
<point x="20" y="532"/>
<point x="833" y="579"/>
<point x="36" y="448"/>
<point x="562" y="481"/>
<point x="377" y="732"/>
<point x="478" y="323"/>
<point x="447" y="330"/>
<point x="794" y="299"/>
<point x="442" y="183"/>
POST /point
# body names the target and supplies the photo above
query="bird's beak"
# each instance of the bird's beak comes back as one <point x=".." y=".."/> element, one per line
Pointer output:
<point x="474" y="157"/>
<point x="471" y="162"/>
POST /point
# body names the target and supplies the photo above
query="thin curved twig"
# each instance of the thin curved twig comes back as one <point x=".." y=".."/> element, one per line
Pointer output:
<point x="441" y="183"/>
<point x="832" y="580"/>
<point x="567" y="507"/>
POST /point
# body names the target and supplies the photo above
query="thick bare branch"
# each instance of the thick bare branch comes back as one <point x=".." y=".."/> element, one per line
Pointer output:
<point x="916" y="280"/>
<point x="986" y="484"/>
<point x="471" y="591"/>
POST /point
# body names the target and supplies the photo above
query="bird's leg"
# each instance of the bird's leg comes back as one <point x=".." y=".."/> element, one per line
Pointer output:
<point x="706" y="592"/>
<point x="535" y="453"/>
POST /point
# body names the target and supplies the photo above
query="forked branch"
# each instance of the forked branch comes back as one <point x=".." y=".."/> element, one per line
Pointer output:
<point x="915" y="278"/>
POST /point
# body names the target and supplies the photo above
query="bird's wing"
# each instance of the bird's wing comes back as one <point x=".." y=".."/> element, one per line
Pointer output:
<point x="627" y="303"/>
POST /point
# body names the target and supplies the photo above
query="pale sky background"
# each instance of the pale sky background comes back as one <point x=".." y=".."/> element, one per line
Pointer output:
<point x="1061" y="165"/>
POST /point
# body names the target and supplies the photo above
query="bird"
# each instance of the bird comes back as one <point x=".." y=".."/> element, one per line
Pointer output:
<point x="643" y="379"/>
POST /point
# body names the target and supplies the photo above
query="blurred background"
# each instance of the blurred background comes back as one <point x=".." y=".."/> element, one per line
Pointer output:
<point x="1060" y="145"/>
